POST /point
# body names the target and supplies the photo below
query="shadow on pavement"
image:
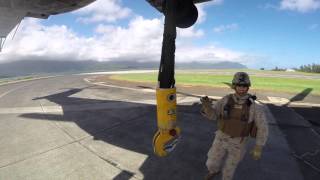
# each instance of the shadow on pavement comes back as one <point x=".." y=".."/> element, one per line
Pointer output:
<point x="301" y="132"/>
<point x="131" y="126"/>
<point x="300" y="96"/>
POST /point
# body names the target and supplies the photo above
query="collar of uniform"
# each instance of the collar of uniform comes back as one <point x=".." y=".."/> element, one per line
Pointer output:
<point x="240" y="99"/>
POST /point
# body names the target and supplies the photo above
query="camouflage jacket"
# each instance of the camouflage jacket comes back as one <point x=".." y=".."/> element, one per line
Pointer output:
<point x="256" y="114"/>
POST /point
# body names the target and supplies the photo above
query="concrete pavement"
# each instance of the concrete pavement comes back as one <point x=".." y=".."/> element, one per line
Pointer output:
<point x="67" y="128"/>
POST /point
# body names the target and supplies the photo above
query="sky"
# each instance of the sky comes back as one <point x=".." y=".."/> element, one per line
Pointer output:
<point x="258" y="34"/>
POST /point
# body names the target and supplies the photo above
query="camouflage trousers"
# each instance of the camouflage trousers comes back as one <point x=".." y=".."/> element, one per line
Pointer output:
<point x="225" y="148"/>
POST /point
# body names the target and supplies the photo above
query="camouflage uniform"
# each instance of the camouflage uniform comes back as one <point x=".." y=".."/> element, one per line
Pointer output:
<point x="233" y="147"/>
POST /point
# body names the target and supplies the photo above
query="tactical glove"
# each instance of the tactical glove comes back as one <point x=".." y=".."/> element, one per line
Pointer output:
<point x="206" y="109"/>
<point x="256" y="152"/>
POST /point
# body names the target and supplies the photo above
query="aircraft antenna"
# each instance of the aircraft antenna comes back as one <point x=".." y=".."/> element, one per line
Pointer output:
<point x="2" y="41"/>
<point x="15" y="31"/>
<point x="4" y="38"/>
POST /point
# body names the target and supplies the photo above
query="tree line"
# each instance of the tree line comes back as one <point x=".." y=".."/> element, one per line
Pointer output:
<point x="313" y="68"/>
<point x="310" y="68"/>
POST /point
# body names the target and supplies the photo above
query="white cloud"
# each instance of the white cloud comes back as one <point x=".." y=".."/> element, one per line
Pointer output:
<point x="213" y="2"/>
<point x="140" y="41"/>
<point x="207" y="54"/>
<point x="224" y="28"/>
<point x="103" y="11"/>
<point x="190" y="33"/>
<point x="202" y="15"/>
<point x="34" y="39"/>
<point x="300" y="5"/>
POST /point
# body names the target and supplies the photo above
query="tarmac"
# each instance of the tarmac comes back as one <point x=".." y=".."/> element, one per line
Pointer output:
<point x="75" y="127"/>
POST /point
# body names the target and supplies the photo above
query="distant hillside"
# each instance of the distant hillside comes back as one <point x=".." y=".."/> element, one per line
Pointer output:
<point x="220" y="65"/>
<point x="27" y="67"/>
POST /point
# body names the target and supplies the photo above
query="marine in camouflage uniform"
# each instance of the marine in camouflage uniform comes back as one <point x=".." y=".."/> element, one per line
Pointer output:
<point x="237" y="116"/>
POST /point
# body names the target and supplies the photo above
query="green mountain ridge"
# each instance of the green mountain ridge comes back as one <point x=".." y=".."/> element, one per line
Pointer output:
<point x="29" y="67"/>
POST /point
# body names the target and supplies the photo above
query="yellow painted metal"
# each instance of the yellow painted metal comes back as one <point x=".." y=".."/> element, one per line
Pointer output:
<point x="166" y="108"/>
<point x="164" y="142"/>
<point x="166" y="138"/>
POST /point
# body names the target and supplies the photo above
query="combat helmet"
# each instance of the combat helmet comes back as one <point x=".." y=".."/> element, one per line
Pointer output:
<point x="241" y="78"/>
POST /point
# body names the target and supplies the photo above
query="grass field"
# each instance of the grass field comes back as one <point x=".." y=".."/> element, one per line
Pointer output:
<point x="259" y="82"/>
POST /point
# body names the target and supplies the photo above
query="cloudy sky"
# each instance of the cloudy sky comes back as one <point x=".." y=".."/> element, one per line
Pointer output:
<point x="264" y="33"/>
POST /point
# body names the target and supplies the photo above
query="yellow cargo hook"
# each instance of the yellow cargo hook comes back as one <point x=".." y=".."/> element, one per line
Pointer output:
<point x="167" y="136"/>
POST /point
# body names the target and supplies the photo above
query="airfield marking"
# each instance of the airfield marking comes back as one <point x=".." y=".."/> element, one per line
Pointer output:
<point x="271" y="99"/>
<point x="86" y="107"/>
<point x="106" y="106"/>
<point x="143" y="90"/>
<point x="305" y="104"/>
<point x="278" y="100"/>
<point x="61" y="109"/>
<point x="126" y="88"/>
<point x="121" y="72"/>
<point x="26" y="80"/>
<point x="282" y="101"/>
<point x="19" y="81"/>
<point x="180" y="99"/>
<point x="14" y="89"/>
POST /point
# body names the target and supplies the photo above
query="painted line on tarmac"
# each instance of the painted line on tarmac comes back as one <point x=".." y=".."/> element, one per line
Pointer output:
<point x="271" y="99"/>
<point x="126" y="88"/>
<point x="283" y="101"/>
<point x="69" y="108"/>
<point x="87" y="107"/>
<point x="120" y="72"/>
<point x="12" y="90"/>
<point x="88" y="80"/>
<point x="26" y="80"/>
<point x="305" y="104"/>
<point x="106" y="106"/>
<point x="143" y="90"/>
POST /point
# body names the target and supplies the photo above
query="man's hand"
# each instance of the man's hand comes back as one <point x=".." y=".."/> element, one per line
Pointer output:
<point x="206" y="101"/>
<point x="256" y="152"/>
<point x="206" y="109"/>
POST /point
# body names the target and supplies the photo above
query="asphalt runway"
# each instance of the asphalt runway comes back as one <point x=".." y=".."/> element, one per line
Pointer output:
<point x="68" y="127"/>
